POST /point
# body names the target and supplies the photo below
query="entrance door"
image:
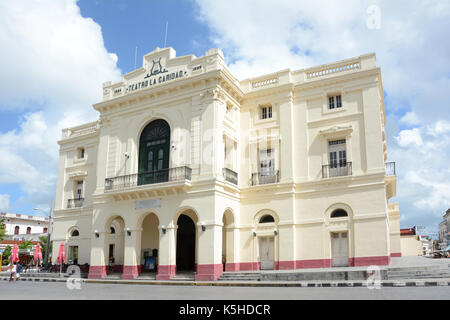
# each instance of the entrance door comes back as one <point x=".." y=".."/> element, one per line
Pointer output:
<point x="339" y="249"/>
<point x="185" y="243"/>
<point x="266" y="245"/>
<point x="338" y="158"/>
<point x="74" y="254"/>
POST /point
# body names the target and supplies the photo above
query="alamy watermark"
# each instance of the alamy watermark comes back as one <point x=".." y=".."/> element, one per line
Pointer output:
<point x="373" y="20"/>
<point x="74" y="280"/>
<point x="373" y="277"/>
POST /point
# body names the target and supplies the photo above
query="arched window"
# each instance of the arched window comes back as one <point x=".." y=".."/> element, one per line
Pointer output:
<point x="16" y="230"/>
<point x="266" y="219"/>
<point x="45" y="230"/>
<point x="113" y="231"/>
<point x="75" y="233"/>
<point x="154" y="151"/>
<point x="28" y="230"/>
<point x="339" y="213"/>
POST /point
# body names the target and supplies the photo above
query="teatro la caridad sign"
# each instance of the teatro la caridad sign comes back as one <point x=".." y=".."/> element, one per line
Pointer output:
<point x="156" y="75"/>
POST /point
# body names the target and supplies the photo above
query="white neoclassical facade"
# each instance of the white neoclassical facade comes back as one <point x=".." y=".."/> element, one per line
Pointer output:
<point x="23" y="227"/>
<point x="191" y="169"/>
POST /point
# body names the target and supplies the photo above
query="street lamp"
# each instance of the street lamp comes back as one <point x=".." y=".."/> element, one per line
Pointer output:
<point x="47" y="247"/>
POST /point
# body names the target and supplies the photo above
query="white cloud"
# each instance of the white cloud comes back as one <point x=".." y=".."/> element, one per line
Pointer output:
<point x="53" y="64"/>
<point x="410" y="118"/>
<point x="408" y="137"/>
<point x="263" y="36"/>
<point x="4" y="202"/>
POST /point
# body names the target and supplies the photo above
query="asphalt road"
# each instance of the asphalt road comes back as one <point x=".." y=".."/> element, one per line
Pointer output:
<point x="90" y="291"/>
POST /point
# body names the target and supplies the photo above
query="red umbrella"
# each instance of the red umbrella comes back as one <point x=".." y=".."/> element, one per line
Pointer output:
<point x="61" y="254"/>
<point x="37" y="253"/>
<point x="15" y="254"/>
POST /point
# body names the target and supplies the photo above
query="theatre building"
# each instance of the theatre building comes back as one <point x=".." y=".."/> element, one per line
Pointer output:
<point x="206" y="173"/>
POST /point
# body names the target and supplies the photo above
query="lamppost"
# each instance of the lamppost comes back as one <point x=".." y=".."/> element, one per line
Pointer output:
<point x="47" y="247"/>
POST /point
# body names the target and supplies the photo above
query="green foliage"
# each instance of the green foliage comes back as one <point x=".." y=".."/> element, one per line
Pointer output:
<point x="2" y="229"/>
<point x="26" y="245"/>
<point x="43" y="242"/>
<point x="6" y="255"/>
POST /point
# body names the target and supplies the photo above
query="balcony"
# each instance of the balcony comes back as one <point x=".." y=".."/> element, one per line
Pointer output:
<point x="230" y="175"/>
<point x="337" y="170"/>
<point x="391" y="180"/>
<point x="75" y="203"/>
<point x="126" y="182"/>
<point x="265" y="177"/>
<point x="390" y="169"/>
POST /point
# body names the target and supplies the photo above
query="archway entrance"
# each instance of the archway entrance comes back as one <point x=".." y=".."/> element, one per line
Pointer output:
<point x="185" y="244"/>
<point x="149" y="243"/>
<point x="115" y="242"/>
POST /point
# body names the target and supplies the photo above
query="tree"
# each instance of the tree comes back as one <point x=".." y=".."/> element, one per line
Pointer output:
<point x="43" y="242"/>
<point x="6" y="255"/>
<point x="26" y="245"/>
<point x="2" y="229"/>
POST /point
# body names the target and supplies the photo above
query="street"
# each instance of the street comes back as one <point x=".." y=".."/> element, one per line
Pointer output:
<point x="90" y="291"/>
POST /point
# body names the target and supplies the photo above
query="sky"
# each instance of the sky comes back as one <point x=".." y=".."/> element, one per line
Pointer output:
<point x="57" y="53"/>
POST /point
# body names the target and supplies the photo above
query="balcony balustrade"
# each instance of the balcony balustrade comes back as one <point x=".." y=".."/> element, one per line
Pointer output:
<point x="146" y="178"/>
<point x="230" y="175"/>
<point x="75" y="203"/>
<point x="390" y="169"/>
<point x="337" y="170"/>
<point x="265" y="177"/>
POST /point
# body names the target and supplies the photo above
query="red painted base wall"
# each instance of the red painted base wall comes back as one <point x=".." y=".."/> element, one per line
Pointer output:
<point x="97" y="272"/>
<point x="165" y="272"/>
<point x="208" y="272"/>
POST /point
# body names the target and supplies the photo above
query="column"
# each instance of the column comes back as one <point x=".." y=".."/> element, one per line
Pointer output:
<point x="167" y="267"/>
<point x="287" y="140"/>
<point x="209" y="265"/>
<point x="132" y="259"/>
<point x="287" y="247"/>
<point x="97" y="268"/>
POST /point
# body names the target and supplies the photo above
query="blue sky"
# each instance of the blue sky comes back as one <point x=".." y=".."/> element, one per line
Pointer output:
<point x="56" y="55"/>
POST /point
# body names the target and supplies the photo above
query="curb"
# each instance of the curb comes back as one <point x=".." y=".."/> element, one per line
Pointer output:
<point x="314" y="284"/>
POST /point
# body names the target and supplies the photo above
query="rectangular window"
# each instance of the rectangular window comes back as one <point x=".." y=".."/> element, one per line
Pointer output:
<point x="79" y="189"/>
<point x="80" y="153"/>
<point x="338" y="102"/>
<point x="266" y="162"/>
<point x="266" y="112"/>
<point x="334" y="102"/>
<point x="331" y="103"/>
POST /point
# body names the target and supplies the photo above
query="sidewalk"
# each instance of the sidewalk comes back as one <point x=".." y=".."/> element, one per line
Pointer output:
<point x="315" y="283"/>
<point x="403" y="264"/>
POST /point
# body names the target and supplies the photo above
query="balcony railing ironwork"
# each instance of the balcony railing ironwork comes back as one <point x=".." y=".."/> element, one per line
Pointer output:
<point x="265" y="177"/>
<point x="337" y="170"/>
<point x="390" y="169"/>
<point x="75" y="203"/>
<point x="230" y="175"/>
<point x="151" y="177"/>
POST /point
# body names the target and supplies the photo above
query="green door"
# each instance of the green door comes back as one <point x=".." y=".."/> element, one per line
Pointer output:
<point x="154" y="153"/>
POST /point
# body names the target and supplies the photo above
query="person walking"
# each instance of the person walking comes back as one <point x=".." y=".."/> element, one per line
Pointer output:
<point x="111" y="264"/>
<point x="12" y="272"/>
<point x="18" y="270"/>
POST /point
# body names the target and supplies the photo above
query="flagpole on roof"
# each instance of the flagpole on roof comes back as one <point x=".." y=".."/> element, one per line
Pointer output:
<point x="165" y="35"/>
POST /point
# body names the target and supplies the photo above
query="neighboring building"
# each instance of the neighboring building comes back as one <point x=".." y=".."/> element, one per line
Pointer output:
<point x="444" y="228"/>
<point x="208" y="173"/>
<point x="410" y="242"/>
<point x="427" y="245"/>
<point x="24" y="227"/>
